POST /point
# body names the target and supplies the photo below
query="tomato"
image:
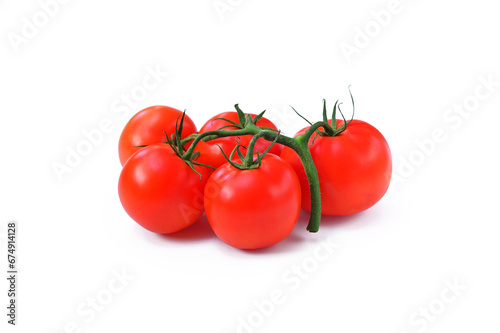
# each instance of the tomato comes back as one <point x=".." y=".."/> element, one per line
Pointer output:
<point x="252" y="209"/>
<point x="354" y="168"/>
<point x="146" y="127"/>
<point x="210" y="153"/>
<point x="160" y="191"/>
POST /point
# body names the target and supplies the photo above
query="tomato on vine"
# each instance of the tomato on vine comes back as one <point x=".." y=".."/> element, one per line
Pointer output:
<point x="332" y="167"/>
<point x="210" y="152"/>
<point x="147" y="127"/>
<point x="253" y="208"/>
<point x="160" y="191"/>
<point x="353" y="163"/>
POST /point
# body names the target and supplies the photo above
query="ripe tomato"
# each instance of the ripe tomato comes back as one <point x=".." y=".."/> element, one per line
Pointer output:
<point x="146" y="127"/>
<point x="160" y="191"/>
<point x="210" y="153"/>
<point x="354" y="168"/>
<point x="252" y="209"/>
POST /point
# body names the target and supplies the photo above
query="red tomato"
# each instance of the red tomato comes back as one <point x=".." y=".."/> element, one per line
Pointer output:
<point x="146" y="127"/>
<point x="160" y="191"/>
<point x="354" y="168"/>
<point x="211" y="155"/>
<point x="252" y="209"/>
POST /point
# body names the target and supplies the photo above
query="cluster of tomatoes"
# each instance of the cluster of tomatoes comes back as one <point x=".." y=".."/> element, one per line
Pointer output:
<point x="248" y="205"/>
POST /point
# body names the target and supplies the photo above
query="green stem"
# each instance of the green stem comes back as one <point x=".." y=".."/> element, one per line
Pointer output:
<point x="216" y="134"/>
<point x="327" y="128"/>
<point x="302" y="149"/>
<point x="250" y="149"/>
<point x="189" y="138"/>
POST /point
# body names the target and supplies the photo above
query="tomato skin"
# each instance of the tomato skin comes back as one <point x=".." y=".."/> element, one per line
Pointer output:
<point x="146" y="127"/>
<point x="354" y="168"/>
<point x="210" y="152"/>
<point x="252" y="209"/>
<point x="159" y="190"/>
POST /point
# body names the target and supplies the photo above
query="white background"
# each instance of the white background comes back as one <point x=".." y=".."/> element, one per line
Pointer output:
<point x="438" y="223"/>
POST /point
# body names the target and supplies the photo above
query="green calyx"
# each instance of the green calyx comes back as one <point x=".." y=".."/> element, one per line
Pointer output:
<point x="177" y="144"/>
<point x="324" y="128"/>
<point x="246" y="119"/>
<point x="249" y="161"/>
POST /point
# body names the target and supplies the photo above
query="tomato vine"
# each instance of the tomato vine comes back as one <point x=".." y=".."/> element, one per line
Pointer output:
<point x="247" y="126"/>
